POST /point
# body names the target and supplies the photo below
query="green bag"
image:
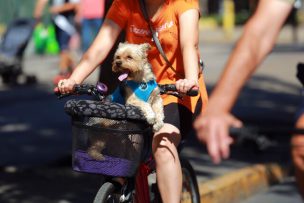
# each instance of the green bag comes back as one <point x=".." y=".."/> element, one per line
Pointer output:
<point x="52" y="46"/>
<point x="40" y="35"/>
<point x="45" y="39"/>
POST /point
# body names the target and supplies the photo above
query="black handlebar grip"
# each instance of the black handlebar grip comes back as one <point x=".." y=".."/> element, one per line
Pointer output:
<point x="169" y="87"/>
<point x="77" y="87"/>
<point x="193" y="92"/>
<point x="242" y="131"/>
<point x="234" y="131"/>
<point x="59" y="94"/>
<point x="172" y="87"/>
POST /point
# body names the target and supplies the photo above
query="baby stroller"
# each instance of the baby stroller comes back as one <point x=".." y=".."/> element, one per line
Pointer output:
<point x="12" y="47"/>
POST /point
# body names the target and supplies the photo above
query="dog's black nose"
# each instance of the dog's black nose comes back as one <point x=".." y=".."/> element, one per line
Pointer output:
<point x="118" y="63"/>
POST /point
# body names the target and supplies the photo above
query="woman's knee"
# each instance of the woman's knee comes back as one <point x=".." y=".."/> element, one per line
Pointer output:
<point x="165" y="154"/>
<point x="165" y="143"/>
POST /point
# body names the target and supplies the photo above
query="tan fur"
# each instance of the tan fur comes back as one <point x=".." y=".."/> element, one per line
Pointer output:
<point x="96" y="147"/>
<point x="133" y="58"/>
<point x="97" y="144"/>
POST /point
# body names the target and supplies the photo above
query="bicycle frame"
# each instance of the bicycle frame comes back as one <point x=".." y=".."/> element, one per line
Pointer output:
<point x="142" y="192"/>
<point x="146" y="167"/>
<point x="141" y="184"/>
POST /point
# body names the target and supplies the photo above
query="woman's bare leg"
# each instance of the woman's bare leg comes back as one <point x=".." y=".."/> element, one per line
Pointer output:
<point x="168" y="168"/>
<point x="65" y="62"/>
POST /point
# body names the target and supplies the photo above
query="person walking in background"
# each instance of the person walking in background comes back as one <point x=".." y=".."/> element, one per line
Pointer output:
<point x="90" y="14"/>
<point x="63" y="13"/>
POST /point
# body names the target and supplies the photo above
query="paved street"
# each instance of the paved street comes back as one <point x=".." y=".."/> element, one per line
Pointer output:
<point x="35" y="137"/>
<point x="282" y="193"/>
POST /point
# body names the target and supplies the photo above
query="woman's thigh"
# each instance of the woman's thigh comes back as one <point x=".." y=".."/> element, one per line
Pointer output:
<point x="181" y="117"/>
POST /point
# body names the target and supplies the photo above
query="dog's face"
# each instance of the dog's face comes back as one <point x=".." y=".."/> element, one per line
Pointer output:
<point x="129" y="59"/>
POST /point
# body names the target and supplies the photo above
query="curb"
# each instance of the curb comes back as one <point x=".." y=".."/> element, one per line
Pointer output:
<point x="241" y="184"/>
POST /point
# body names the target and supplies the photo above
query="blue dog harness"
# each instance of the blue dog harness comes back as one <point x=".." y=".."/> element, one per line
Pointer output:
<point x="141" y="90"/>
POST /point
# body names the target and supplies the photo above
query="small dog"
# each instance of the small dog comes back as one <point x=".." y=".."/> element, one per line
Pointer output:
<point x="140" y="88"/>
<point x="130" y="61"/>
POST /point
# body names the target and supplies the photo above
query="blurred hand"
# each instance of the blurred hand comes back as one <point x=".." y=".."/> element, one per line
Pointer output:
<point x="66" y="86"/>
<point x="212" y="128"/>
<point x="184" y="85"/>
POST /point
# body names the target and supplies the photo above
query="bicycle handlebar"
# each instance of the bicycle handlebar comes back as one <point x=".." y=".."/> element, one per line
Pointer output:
<point x="172" y="88"/>
<point x="251" y="134"/>
<point x="257" y="135"/>
<point x="101" y="89"/>
<point x="83" y="89"/>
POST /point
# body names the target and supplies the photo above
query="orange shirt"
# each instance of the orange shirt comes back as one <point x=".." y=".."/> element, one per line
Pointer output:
<point x="127" y="14"/>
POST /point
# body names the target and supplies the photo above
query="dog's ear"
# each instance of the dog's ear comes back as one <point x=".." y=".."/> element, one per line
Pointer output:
<point x="145" y="47"/>
<point x="120" y="44"/>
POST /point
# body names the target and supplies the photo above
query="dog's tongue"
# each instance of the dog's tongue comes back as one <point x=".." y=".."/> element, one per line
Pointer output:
<point x="123" y="76"/>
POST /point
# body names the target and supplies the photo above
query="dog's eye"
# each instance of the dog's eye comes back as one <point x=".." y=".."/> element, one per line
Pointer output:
<point x="129" y="57"/>
<point x="117" y="57"/>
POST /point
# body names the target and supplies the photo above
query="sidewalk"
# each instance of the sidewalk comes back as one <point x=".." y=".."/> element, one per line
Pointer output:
<point x="35" y="138"/>
<point x="241" y="183"/>
<point x="212" y="33"/>
<point x="234" y="180"/>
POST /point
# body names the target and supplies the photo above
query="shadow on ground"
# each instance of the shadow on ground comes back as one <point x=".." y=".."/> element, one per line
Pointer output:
<point x="52" y="184"/>
<point x="34" y="129"/>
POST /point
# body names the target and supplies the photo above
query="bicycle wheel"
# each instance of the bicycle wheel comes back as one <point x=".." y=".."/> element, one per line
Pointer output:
<point x="190" y="187"/>
<point x="106" y="194"/>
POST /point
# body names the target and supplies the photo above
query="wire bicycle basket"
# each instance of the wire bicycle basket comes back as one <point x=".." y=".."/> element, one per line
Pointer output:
<point x="108" y="138"/>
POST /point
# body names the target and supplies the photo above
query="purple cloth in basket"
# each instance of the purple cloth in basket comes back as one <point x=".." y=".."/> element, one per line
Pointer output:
<point x="110" y="166"/>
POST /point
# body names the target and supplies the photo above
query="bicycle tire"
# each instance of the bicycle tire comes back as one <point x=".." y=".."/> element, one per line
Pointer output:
<point x="190" y="185"/>
<point x="106" y="194"/>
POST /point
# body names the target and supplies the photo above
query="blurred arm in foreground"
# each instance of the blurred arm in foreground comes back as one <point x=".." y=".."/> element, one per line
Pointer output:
<point x="256" y="42"/>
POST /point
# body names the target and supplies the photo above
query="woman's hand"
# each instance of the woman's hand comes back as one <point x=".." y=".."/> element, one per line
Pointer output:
<point x="66" y="86"/>
<point x="184" y="85"/>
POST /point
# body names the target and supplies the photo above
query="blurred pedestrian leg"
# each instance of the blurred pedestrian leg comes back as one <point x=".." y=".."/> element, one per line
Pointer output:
<point x="63" y="13"/>
<point x="91" y="13"/>
<point x="89" y="30"/>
